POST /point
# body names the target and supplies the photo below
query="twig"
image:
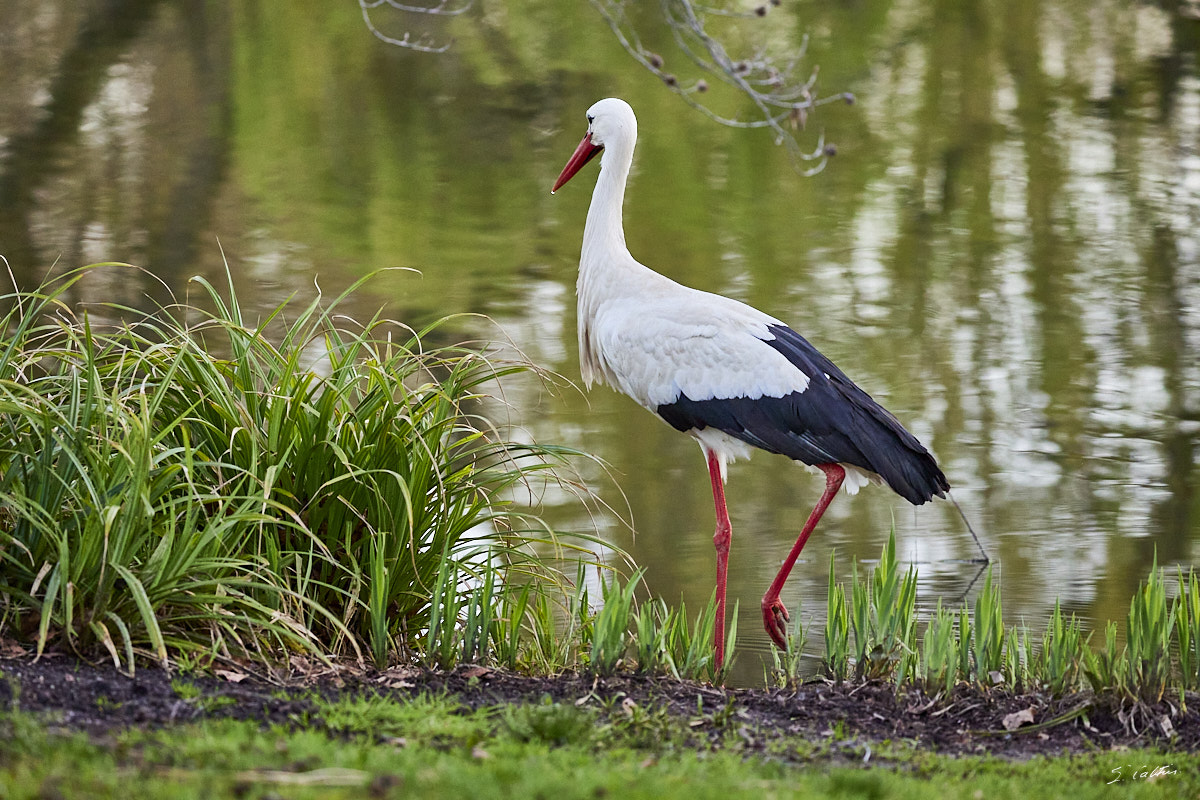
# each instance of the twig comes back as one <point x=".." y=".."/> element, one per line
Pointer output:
<point x="782" y="102"/>
<point x="424" y="42"/>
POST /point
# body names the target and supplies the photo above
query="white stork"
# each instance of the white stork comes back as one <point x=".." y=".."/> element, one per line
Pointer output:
<point x="725" y="373"/>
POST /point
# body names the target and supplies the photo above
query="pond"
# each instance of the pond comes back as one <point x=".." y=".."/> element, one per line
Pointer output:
<point x="1003" y="251"/>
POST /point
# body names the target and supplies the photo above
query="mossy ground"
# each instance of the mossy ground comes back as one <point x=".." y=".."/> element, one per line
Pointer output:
<point x="477" y="735"/>
<point x="228" y="758"/>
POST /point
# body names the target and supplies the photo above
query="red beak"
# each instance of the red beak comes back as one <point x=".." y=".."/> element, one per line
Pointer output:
<point x="583" y="154"/>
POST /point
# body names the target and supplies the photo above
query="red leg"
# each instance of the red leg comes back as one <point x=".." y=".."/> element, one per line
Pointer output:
<point x="775" y="615"/>
<point x="721" y="539"/>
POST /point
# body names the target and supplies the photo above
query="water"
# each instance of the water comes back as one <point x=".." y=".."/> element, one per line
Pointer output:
<point x="1003" y="252"/>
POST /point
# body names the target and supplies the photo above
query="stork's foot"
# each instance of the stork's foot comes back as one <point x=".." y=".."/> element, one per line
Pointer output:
<point x="775" y="620"/>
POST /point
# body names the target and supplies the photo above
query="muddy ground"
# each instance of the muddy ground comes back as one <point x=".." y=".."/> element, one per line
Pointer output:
<point x="100" y="700"/>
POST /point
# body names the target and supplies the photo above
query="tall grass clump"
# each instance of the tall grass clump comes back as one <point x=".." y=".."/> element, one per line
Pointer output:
<point x="1059" y="662"/>
<point x="661" y="639"/>
<point x="1150" y="624"/>
<point x="199" y="480"/>
<point x="691" y="649"/>
<point x="881" y="618"/>
<point x="610" y="631"/>
<point x="1187" y="629"/>
<point x="837" y="629"/>
<point x="988" y="635"/>
<point x="939" y="667"/>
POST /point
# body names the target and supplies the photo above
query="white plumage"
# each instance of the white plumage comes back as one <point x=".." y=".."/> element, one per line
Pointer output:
<point x="728" y="374"/>
<point x="656" y="348"/>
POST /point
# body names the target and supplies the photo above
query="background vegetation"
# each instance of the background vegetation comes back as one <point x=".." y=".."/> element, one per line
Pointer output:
<point x="341" y="494"/>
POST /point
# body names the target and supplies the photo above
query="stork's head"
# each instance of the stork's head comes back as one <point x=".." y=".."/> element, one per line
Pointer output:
<point x="610" y="123"/>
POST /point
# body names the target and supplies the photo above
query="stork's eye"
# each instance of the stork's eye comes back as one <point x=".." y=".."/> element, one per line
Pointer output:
<point x="591" y="119"/>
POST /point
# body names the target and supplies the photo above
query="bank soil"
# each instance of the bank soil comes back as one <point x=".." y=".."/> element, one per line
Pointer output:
<point x="851" y="719"/>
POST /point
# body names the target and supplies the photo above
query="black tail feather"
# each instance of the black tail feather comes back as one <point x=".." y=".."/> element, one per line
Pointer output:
<point x="831" y="421"/>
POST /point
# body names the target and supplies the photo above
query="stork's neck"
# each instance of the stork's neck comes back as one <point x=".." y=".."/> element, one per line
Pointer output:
<point x="604" y="233"/>
<point x="606" y="269"/>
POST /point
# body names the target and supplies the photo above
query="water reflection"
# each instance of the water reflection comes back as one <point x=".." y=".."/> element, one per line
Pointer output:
<point x="1004" y="251"/>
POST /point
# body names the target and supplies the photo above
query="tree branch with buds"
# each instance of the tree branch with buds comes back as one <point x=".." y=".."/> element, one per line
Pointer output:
<point x="783" y="102"/>
<point x="425" y="42"/>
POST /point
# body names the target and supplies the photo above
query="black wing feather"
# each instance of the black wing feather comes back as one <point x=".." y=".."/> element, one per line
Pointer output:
<point x="832" y="421"/>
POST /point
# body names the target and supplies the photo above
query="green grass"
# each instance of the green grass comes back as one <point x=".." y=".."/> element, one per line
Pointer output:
<point x="195" y="483"/>
<point x="433" y="748"/>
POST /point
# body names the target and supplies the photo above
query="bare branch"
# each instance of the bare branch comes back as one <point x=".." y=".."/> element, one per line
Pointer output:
<point x="423" y="43"/>
<point x="783" y="101"/>
<point x="443" y="8"/>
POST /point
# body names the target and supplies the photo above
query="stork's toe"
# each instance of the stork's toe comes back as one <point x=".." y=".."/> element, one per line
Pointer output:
<point x="775" y="619"/>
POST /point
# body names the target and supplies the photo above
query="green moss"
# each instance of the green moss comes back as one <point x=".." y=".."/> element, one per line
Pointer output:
<point x="431" y="747"/>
